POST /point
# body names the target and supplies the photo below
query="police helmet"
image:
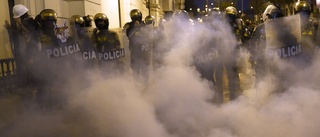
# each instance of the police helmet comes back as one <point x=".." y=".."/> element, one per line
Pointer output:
<point x="38" y="20"/>
<point x="99" y="17"/>
<point x="302" y="6"/>
<point x="230" y="10"/>
<point x="136" y="15"/>
<point x="149" y="20"/>
<point x="48" y="15"/>
<point x="231" y="13"/>
<point x="272" y="11"/>
<point x="77" y="20"/>
<point x="88" y="20"/>
<point x="180" y="14"/>
<point x="19" y="10"/>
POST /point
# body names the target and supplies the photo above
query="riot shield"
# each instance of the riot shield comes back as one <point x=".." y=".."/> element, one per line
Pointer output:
<point x="283" y="37"/>
<point x="70" y="26"/>
<point x="124" y="45"/>
<point x="67" y="41"/>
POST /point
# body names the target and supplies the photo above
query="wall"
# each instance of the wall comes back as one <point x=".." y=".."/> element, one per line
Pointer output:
<point x="127" y="5"/>
<point x="111" y="9"/>
<point x="92" y="8"/>
<point x="5" y="48"/>
<point x="118" y="15"/>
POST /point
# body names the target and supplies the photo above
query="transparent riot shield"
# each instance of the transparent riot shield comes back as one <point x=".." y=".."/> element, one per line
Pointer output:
<point x="125" y="45"/>
<point x="283" y="37"/>
<point x="69" y="26"/>
<point x="67" y="40"/>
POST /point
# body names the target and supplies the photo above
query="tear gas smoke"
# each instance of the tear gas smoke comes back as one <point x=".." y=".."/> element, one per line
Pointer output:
<point x="176" y="103"/>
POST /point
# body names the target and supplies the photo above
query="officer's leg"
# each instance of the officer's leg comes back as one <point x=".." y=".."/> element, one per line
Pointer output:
<point x="233" y="79"/>
<point x="207" y="73"/>
<point x="146" y="70"/>
<point x="135" y="67"/>
<point x="218" y="97"/>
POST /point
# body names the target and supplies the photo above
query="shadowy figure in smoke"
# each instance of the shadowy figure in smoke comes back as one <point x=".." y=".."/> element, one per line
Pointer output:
<point x="260" y="37"/>
<point x="56" y="59"/>
<point x="281" y="50"/>
<point x="108" y="47"/>
<point x="140" y="44"/>
<point x="25" y="35"/>
<point x="228" y="57"/>
<point x="308" y="32"/>
<point x="84" y="35"/>
<point x="206" y="52"/>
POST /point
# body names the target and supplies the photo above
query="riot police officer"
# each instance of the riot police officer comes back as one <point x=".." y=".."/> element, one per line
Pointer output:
<point x="108" y="47"/>
<point x="77" y="22"/>
<point x="149" y="20"/>
<point x="279" y="50"/>
<point x="304" y="9"/>
<point x="228" y="59"/>
<point x="247" y="31"/>
<point x="140" y="46"/>
<point x="80" y="32"/>
<point x="45" y="73"/>
<point x="308" y="29"/>
<point x="83" y="35"/>
<point x="54" y="36"/>
<point x="47" y="20"/>
<point x="58" y="56"/>
<point x="206" y="52"/>
<point x="155" y="37"/>
<point x="259" y="36"/>
<point x="232" y="16"/>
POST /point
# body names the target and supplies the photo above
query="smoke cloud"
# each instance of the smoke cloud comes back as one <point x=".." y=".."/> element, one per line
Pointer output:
<point x="177" y="101"/>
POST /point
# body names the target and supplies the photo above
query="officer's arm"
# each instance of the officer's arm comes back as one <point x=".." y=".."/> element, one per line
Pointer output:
<point x="94" y="37"/>
<point x="117" y="41"/>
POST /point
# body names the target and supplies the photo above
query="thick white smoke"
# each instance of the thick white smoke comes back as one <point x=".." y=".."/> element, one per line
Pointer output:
<point x="177" y="101"/>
